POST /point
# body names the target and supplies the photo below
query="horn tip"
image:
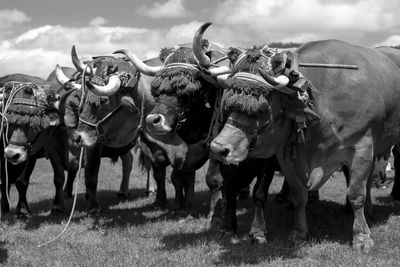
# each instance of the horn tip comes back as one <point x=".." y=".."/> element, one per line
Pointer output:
<point x="121" y="51"/>
<point x="204" y="27"/>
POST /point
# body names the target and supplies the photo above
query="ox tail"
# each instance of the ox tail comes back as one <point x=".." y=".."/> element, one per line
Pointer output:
<point x="145" y="166"/>
<point x="144" y="162"/>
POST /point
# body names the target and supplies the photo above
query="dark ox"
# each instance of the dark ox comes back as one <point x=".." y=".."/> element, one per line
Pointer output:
<point x="30" y="139"/>
<point x="110" y="115"/>
<point x="358" y="121"/>
<point x="185" y="100"/>
<point x="110" y="142"/>
<point x="69" y="107"/>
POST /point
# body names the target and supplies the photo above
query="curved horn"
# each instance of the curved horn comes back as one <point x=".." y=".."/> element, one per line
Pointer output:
<point x="107" y="90"/>
<point x="61" y="77"/>
<point x="280" y="81"/>
<point x="142" y="67"/>
<point x="219" y="71"/>
<point x="198" y="52"/>
<point x="77" y="63"/>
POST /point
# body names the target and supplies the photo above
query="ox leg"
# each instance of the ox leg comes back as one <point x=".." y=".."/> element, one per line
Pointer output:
<point x="188" y="180"/>
<point x="214" y="182"/>
<point x="5" y="190"/>
<point x="159" y="177"/>
<point x="127" y="162"/>
<point x="22" y="184"/>
<point x="73" y="165"/>
<point x="258" y="231"/>
<point x="70" y="183"/>
<point x="91" y="177"/>
<point x="299" y="196"/>
<point x="396" y="185"/>
<point x="177" y="181"/>
<point x="360" y="171"/>
<point x="59" y="179"/>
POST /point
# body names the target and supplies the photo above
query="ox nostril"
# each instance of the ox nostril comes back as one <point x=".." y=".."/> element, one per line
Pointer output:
<point x="77" y="138"/>
<point x="157" y="119"/>
<point x="224" y="152"/>
<point x="16" y="156"/>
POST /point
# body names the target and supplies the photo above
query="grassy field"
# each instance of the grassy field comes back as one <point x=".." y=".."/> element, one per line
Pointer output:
<point x="132" y="233"/>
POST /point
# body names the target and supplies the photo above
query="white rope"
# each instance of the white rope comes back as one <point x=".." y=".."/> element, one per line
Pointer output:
<point x="73" y="204"/>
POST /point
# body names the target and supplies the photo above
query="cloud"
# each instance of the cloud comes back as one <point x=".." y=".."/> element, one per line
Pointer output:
<point x="37" y="51"/>
<point x="169" y="9"/>
<point x="9" y="18"/>
<point x="280" y="20"/>
<point x="393" y="40"/>
<point x="98" y="21"/>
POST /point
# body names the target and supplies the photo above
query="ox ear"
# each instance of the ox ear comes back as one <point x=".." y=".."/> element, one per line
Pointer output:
<point x="127" y="102"/>
<point x="53" y="100"/>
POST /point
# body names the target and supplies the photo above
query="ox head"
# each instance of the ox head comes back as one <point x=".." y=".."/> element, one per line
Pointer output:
<point x="255" y="104"/>
<point x="29" y="110"/>
<point x="107" y="90"/>
<point x="184" y="88"/>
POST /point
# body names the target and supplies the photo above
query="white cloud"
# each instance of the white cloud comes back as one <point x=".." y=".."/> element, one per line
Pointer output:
<point x="37" y="51"/>
<point x="169" y="9"/>
<point x="393" y="40"/>
<point x="98" y="21"/>
<point x="280" y="20"/>
<point x="9" y="18"/>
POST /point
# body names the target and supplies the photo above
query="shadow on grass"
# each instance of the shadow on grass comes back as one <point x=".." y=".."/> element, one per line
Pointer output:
<point x="115" y="212"/>
<point x="3" y="252"/>
<point x="327" y="221"/>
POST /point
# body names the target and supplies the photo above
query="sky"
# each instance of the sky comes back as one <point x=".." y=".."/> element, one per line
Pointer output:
<point x="35" y="35"/>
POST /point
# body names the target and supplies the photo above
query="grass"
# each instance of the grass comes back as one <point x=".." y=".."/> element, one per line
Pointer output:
<point x="132" y="233"/>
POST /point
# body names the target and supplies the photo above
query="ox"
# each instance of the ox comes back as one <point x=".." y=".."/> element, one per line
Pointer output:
<point x="352" y="118"/>
<point x="34" y="132"/>
<point x="68" y="107"/>
<point x="185" y="107"/>
<point x="109" y="124"/>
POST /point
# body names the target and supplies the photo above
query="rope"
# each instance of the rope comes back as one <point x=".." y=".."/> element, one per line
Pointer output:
<point x="216" y="115"/>
<point x="73" y="204"/>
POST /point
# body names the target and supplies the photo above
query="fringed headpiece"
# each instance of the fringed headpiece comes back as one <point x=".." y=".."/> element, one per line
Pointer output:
<point x="247" y="91"/>
<point x="26" y="104"/>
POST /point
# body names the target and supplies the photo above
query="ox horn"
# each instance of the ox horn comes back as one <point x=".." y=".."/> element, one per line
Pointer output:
<point x="280" y="81"/>
<point x="61" y="77"/>
<point x="142" y="67"/>
<point x="111" y="88"/>
<point x="198" y="51"/>
<point x="77" y="63"/>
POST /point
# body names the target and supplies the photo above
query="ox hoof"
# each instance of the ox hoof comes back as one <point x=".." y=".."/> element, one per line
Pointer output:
<point x="363" y="243"/>
<point x="298" y="240"/>
<point x="94" y="211"/>
<point x="67" y="195"/>
<point x="24" y="213"/>
<point x="150" y="193"/>
<point x="122" y="195"/>
<point x="57" y="209"/>
<point x="258" y="239"/>
<point x="229" y="237"/>
<point x="213" y="224"/>
<point x="161" y="205"/>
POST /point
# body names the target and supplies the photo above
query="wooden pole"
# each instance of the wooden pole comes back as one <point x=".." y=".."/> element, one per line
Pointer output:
<point x="326" y="65"/>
